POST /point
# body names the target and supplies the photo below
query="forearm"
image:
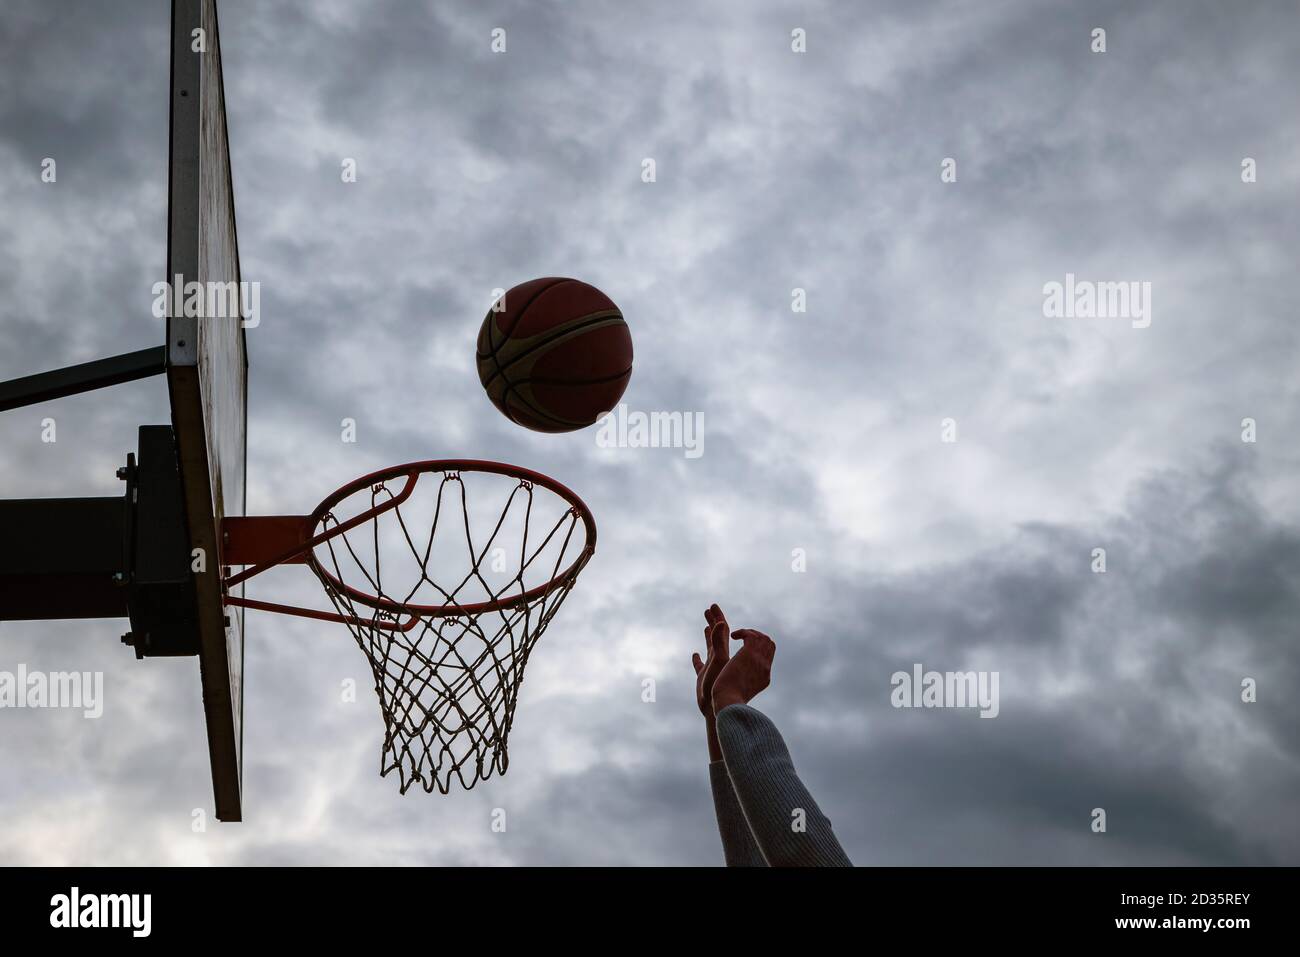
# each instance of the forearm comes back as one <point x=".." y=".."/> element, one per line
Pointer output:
<point x="711" y="731"/>
<point x="739" y="849"/>
<point x="770" y="793"/>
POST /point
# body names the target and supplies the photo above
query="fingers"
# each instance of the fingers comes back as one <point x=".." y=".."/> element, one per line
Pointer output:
<point x="717" y="633"/>
<point x="756" y="643"/>
<point x="695" y="660"/>
<point x="756" y="640"/>
<point x="719" y="641"/>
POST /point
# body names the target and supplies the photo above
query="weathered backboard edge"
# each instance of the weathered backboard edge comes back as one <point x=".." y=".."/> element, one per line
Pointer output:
<point x="221" y="644"/>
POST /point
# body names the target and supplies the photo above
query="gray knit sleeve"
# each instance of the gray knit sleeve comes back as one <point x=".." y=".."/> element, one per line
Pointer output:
<point x="770" y="793"/>
<point x="738" y="847"/>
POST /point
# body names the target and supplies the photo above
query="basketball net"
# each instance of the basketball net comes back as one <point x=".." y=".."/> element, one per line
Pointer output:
<point x="448" y="674"/>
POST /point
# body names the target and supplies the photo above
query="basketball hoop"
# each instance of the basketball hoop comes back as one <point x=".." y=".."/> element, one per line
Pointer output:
<point x="447" y="573"/>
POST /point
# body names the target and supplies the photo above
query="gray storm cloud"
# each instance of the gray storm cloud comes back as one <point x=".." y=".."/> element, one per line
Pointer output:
<point x="775" y="172"/>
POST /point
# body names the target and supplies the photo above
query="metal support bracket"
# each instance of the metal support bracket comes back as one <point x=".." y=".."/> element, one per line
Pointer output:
<point x="86" y="377"/>
<point x="122" y="556"/>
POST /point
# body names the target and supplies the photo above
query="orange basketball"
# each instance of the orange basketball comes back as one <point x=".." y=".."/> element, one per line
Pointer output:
<point x="554" y="354"/>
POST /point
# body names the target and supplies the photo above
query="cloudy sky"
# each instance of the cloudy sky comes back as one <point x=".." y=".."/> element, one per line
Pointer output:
<point x="944" y="456"/>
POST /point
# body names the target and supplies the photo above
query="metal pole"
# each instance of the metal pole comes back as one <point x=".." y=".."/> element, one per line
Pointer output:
<point x="85" y="377"/>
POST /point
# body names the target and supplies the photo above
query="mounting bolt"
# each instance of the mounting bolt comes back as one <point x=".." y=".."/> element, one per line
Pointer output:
<point x="122" y="473"/>
<point x="138" y="642"/>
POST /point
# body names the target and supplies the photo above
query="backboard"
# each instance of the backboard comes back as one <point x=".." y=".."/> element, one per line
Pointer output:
<point x="207" y="369"/>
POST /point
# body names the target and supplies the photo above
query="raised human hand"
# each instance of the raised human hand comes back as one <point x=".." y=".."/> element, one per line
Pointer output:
<point x="717" y="637"/>
<point x="746" y="673"/>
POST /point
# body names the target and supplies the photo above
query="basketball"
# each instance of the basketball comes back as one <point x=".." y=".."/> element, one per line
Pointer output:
<point x="554" y="354"/>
